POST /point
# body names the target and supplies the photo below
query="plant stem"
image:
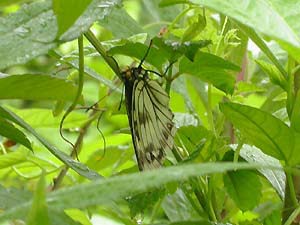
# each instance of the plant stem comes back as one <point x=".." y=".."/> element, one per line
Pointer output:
<point x="293" y="216"/>
<point x="109" y="59"/>
<point x="290" y="181"/>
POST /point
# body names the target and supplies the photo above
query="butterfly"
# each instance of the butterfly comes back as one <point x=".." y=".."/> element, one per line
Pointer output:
<point x="149" y="115"/>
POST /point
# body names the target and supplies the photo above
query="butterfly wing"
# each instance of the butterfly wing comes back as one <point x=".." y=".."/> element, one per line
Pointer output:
<point x="151" y="123"/>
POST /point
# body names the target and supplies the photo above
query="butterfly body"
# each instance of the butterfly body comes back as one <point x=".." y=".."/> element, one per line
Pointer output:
<point x="149" y="116"/>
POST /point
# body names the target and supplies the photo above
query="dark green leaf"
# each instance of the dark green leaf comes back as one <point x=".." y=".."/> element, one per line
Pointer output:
<point x="36" y="87"/>
<point x="138" y="50"/>
<point x="264" y="130"/>
<point x="212" y="69"/>
<point x="239" y="184"/>
<point x="66" y="17"/>
<point x="9" y="131"/>
<point x="174" y="50"/>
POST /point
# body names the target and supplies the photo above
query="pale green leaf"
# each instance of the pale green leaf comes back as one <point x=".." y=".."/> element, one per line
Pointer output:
<point x="38" y="213"/>
<point x="265" y="131"/>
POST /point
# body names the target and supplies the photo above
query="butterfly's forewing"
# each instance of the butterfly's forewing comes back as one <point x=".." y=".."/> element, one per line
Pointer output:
<point x="150" y="121"/>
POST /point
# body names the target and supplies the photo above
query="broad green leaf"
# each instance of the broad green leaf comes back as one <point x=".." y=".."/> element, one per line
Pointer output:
<point x="276" y="177"/>
<point x="65" y="16"/>
<point x="256" y="14"/>
<point x="138" y="50"/>
<point x="177" y="207"/>
<point x="121" y="24"/>
<point x="174" y="50"/>
<point x="103" y="191"/>
<point x="43" y="118"/>
<point x="77" y="166"/>
<point x="32" y="30"/>
<point x="142" y="202"/>
<point x="13" y="158"/>
<point x="212" y="69"/>
<point x="27" y="33"/>
<point x="97" y="10"/>
<point x="78" y="215"/>
<point x="239" y="184"/>
<point x="11" y="197"/>
<point x="38" y="213"/>
<point x="275" y="76"/>
<point x="9" y="131"/>
<point x="36" y="87"/>
<point x="265" y="131"/>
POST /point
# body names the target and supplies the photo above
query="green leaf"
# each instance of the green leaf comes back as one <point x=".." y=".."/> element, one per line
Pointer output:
<point x="36" y="87"/>
<point x="164" y="3"/>
<point x="239" y="184"/>
<point x="276" y="177"/>
<point x="9" y="131"/>
<point x="138" y="50"/>
<point x="263" y="47"/>
<point x="265" y="131"/>
<point x="65" y="16"/>
<point x="121" y="24"/>
<point x="194" y="29"/>
<point x="4" y="3"/>
<point x="103" y="191"/>
<point x="177" y="207"/>
<point x="32" y="30"/>
<point x="13" y="158"/>
<point x="283" y="26"/>
<point x="212" y="69"/>
<point x="11" y="197"/>
<point x="174" y="50"/>
<point x="27" y="33"/>
<point x="38" y="213"/>
<point x="97" y="10"/>
<point x="77" y="166"/>
<point x="78" y="215"/>
<point x="275" y="76"/>
<point x="295" y="117"/>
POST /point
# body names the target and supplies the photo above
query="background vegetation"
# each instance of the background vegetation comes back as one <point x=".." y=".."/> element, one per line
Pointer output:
<point x="233" y="89"/>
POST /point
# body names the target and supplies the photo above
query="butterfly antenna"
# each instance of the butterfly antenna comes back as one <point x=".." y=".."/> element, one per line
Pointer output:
<point x="145" y="56"/>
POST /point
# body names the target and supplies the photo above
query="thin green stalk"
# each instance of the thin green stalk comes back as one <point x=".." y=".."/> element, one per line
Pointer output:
<point x="79" y="90"/>
<point x="98" y="46"/>
<point x="209" y="110"/>
<point x="293" y="195"/>
<point x="293" y="216"/>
